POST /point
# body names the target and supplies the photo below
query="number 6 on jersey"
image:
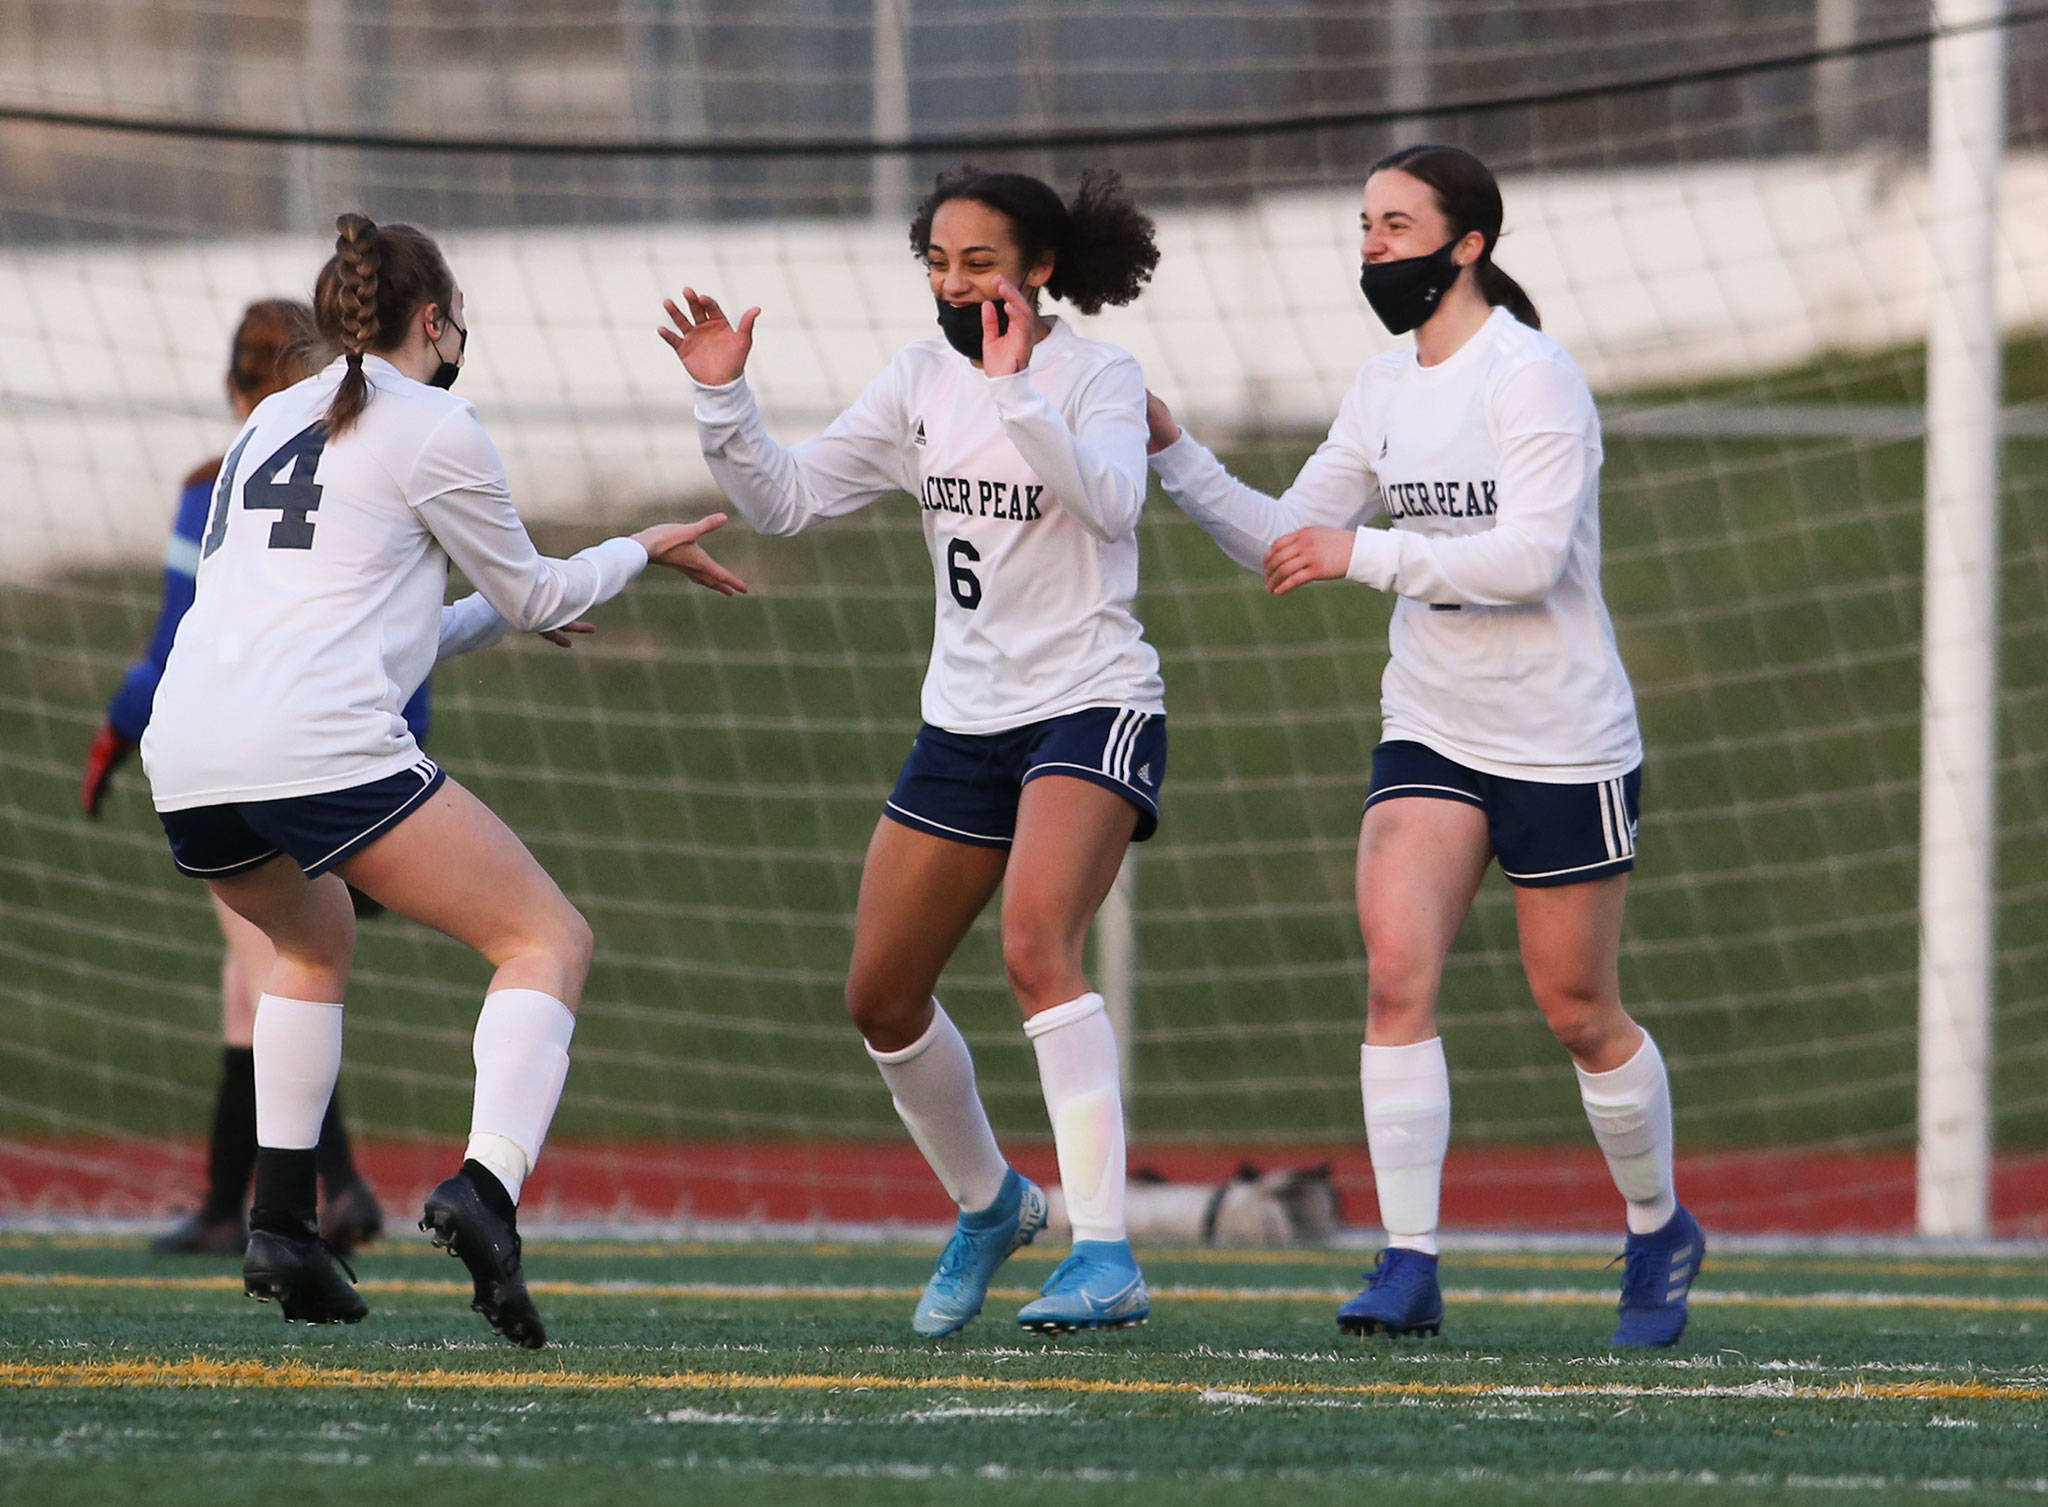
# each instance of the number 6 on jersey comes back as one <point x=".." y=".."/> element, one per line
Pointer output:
<point x="965" y="583"/>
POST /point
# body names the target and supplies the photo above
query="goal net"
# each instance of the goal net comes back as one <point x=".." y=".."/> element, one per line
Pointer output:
<point x="1722" y="210"/>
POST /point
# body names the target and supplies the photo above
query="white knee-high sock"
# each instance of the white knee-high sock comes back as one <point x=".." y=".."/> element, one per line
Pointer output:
<point x="522" y="1060"/>
<point x="932" y="1083"/>
<point x="297" y="1044"/>
<point x="1407" y="1093"/>
<point x="1083" y="1083"/>
<point x="1630" y="1110"/>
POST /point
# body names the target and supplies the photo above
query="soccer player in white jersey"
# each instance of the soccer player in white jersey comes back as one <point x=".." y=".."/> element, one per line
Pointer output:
<point x="280" y="762"/>
<point x="1509" y="728"/>
<point x="1044" y="737"/>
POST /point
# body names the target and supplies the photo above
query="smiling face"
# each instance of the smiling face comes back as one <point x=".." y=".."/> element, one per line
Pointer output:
<point x="1402" y="219"/>
<point x="972" y="245"/>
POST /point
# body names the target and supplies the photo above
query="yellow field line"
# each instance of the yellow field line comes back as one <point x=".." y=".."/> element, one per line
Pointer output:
<point x="795" y="1292"/>
<point x="298" y="1375"/>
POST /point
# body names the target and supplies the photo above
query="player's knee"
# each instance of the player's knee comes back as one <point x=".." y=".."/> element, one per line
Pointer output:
<point x="1581" y="1020"/>
<point x="1397" y="1007"/>
<point x="1042" y="961"/>
<point x="1400" y="987"/>
<point x="574" y="943"/>
<point x="884" y="1015"/>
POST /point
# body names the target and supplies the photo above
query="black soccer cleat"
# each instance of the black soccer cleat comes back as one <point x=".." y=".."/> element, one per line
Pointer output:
<point x="303" y="1277"/>
<point x="463" y="1225"/>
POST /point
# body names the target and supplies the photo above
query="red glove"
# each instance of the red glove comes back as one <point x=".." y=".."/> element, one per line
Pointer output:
<point x="109" y="750"/>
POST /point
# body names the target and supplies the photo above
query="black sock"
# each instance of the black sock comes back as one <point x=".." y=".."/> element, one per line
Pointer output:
<point x="231" y="1148"/>
<point x="490" y="1190"/>
<point x="337" y="1167"/>
<point x="286" y="1189"/>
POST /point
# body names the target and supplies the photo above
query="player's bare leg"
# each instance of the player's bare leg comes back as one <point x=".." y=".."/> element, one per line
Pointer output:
<point x="919" y="894"/>
<point x="454" y="866"/>
<point x="1420" y="861"/>
<point x="1071" y="838"/>
<point x="1571" y="952"/>
<point x="296" y="1037"/>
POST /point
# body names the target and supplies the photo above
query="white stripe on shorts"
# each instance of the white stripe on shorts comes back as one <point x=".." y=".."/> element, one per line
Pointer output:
<point x="1131" y="746"/>
<point x="1625" y="832"/>
<point x="1122" y="744"/>
<point x="1605" y="791"/>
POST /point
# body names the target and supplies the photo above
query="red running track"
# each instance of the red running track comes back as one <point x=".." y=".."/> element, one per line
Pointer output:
<point x="1562" y="1189"/>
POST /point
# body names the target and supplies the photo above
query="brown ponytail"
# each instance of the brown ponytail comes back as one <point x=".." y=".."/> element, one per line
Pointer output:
<point x="1469" y="196"/>
<point x="379" y="277"/>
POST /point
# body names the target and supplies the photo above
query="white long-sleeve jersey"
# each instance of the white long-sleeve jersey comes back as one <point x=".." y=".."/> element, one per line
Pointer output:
<point x="318" y="600"/>
<point x="1487" y="464"/>
<point x="1030" y="485"/>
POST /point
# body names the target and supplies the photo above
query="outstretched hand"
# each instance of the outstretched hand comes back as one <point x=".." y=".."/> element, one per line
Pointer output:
<point x="560" y="638"/>
<point x="1010" y="352"/>
<point x="711" y="349"/>
<point x="1309" y="554"/>
<point x="675" y="545"/>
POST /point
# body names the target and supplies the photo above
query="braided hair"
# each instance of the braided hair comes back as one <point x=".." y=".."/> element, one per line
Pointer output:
<point x="365" y="298"/>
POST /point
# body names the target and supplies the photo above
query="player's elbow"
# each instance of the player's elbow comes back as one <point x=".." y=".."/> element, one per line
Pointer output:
<point x="1533" y="575"/>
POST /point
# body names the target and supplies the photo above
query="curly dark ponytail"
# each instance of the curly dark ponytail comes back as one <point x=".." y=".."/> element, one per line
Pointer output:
<point x="366" y="296"/>
<point x="1102" y="244"/>
<point x="1469" y="196"/>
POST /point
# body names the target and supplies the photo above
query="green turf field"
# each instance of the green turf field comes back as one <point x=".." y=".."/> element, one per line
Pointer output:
<point x="788" y="1374"/>
<point x="703" y="777"/>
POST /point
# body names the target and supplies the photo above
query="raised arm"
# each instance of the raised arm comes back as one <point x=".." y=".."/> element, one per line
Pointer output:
<point x="1095" y="466"/>
<point x="1334" y="489"/>
<point x="1549" y="455"/>
<point x="858" y="459"/>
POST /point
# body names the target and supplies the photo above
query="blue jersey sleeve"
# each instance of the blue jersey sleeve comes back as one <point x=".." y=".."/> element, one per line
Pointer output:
<point x="419" y="712"/>
<point x="129" y="711"/>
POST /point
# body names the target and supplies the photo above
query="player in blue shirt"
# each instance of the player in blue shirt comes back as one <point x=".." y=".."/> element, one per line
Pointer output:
<point x="274" y="346"/>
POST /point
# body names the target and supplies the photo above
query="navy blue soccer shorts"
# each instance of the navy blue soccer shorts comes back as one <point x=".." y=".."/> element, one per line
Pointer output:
<point x="1542" y="834"/>
<point x="319" y="831"/>
<point x="965" y="787"/>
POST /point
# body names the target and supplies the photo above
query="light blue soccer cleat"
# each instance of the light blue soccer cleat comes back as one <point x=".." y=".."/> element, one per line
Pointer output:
<point x="1401" y="1296"/>
<point x="1098" y="1287"/>
<point x="1656" y="1282"/>
<point x="981" y="1242"/>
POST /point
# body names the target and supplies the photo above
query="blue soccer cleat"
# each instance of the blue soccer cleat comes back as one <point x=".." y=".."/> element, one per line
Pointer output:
<point x="981" y="1242"/>
<point x="1098" y="1287"/>
<point x="1656" y="1280"/>
<point x="1401" y="1296"/>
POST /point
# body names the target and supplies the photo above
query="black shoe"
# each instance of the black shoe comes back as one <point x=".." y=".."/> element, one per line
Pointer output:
<point x="303" y="1276"/>
<point x="352" y="1218"/>
<point x="203" y="1234"/>
<point x="464" y="1226"/>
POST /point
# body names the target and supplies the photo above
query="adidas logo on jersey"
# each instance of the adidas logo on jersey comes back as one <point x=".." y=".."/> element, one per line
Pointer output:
<point x="1144" y="774"/>
<point x="918" y="437"/>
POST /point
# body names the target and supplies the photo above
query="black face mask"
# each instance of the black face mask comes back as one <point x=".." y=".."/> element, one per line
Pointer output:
<point x="445" y="374"/>
<point x="961" y="323"/>
<point x="1405" y="293"/>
